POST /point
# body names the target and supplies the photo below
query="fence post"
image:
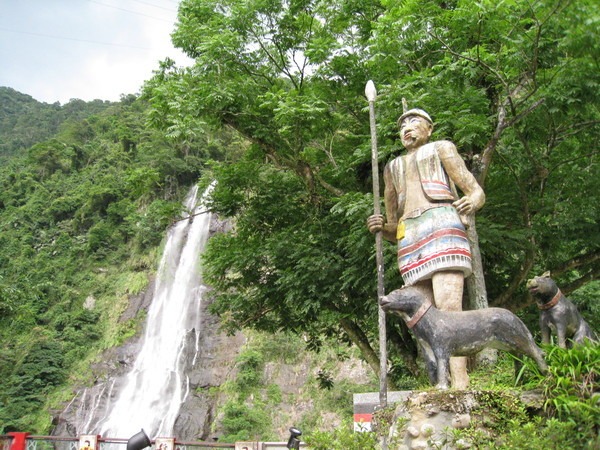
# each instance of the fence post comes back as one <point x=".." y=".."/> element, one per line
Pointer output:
<point x="19" y="441"/>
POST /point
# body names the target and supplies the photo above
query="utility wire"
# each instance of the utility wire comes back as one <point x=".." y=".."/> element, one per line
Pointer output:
<point x="74" y="39"/>
<point x="130" y="11"/>
<point x="113" y="44"/>
<point x="154" y="6"/>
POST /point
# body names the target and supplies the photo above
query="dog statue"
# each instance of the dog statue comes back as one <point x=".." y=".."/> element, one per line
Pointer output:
<point x="558" y="313"/>
<point x="442" y="334"/>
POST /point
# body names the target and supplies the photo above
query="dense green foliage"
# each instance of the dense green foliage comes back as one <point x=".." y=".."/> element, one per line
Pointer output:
<point x="513" y="84"/>
<point x="25" y="121"/>
<point x="81" y="216"/>
<point x="571" y="387"/>
<point x="342" y="438"/>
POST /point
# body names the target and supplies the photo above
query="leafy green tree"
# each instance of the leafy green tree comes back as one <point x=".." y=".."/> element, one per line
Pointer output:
<point x="510" y="83"/>
<point x="32" y="378"/>
<point x="25" y="121"/>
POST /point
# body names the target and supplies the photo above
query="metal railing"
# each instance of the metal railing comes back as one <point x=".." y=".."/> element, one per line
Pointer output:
<point x="71" y="443"/>
<point x="33" y="442"/>
<point x="5" y="442"/>
<point x="51" y="443"/>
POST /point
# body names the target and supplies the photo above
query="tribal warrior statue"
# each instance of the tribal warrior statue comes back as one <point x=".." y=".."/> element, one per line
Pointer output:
<point x="427" y="219"/>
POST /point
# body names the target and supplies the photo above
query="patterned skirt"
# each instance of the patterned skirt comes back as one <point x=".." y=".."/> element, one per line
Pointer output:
<point x="436" y="240"/>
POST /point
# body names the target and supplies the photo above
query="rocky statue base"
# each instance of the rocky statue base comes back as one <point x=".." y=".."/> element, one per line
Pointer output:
<point x="425" y="419"/>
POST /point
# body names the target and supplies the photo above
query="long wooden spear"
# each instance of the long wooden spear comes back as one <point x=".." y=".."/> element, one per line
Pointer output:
<point x="371" y="94"/>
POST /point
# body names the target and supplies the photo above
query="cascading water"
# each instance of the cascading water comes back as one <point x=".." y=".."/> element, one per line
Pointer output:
<point x="156" y="386"/>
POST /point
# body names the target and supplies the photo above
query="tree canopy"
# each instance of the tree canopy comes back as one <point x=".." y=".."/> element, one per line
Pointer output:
<point x="24" y="121"/>
<point x="513" y="84"/>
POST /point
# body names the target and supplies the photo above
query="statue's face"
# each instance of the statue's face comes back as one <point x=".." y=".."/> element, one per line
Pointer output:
<point x="414" y="131"/>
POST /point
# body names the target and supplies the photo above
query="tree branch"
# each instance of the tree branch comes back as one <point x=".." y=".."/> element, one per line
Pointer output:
<point x="578" y="261"/>
<point x="358" y="337"/>
<point x="578" y="127"/>
<point x="593" y="274"/>
<point x="328" y="187"/>
<point x="502" y="124"/>
<point x="279" y="66"/>
<point x="468" y="58"/>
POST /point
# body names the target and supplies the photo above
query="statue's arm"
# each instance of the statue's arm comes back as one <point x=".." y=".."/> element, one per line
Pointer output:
<point x="390" y="197"/>
<point x="377" y="222"/>
<point x="456" y="169"/>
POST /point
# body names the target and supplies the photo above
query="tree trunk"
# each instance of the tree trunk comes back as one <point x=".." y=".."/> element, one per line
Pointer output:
<point x="476" y="289"/>
<point x="476" y="282"/>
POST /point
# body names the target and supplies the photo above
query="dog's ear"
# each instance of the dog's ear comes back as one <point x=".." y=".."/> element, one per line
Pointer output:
<point x="546" y="274"/>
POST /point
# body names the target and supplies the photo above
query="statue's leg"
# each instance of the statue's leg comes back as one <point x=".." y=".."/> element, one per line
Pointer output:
<point x="448" y="293"/>
<point x="424" y="286"/>
<point x="442" y="369"/>
<point x="584" y="332"/>
<point x="430" y="363"/>
<point x="561" y="334"/>
<point x="545" y="330"/>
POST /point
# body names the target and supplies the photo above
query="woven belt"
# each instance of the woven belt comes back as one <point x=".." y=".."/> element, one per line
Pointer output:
<point x="417" y="212"/>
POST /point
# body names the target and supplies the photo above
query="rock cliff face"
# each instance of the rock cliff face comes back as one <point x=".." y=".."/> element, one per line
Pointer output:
<point x="212" y="368"/>
<point x="90" y="403"/>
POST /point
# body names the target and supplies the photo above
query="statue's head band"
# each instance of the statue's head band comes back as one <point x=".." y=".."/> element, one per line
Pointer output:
<point x="415" y="112"/>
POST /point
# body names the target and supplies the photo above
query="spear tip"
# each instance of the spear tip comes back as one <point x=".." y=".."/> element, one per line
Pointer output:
<point x="370" y="91"/>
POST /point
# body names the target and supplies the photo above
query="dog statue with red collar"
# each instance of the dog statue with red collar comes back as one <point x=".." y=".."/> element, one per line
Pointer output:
<point x="557" y="313"/>
<point x="442" y="334"/>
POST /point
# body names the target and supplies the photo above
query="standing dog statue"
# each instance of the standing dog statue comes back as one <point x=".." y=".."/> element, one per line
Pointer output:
<point x="558" y="313"/>
<point x="442" y="334"/>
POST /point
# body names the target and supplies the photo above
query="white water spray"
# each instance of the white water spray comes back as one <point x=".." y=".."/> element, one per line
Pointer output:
<point x="156" y="386"/>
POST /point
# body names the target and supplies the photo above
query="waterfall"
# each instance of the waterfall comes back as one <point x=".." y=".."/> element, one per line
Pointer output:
<point x="156" y="386"/>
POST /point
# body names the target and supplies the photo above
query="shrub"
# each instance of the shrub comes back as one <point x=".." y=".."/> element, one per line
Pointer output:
<point x="341" y="438"/>
<point x="572" y="416"/>
<point x="250" y="364"/>
<point x="569" y="387"/>
<point x="242" y="422"/>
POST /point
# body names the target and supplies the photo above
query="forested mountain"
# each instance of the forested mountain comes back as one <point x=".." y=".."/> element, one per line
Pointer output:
<point x="24" y="121"/>
<point x="81" y="216"/>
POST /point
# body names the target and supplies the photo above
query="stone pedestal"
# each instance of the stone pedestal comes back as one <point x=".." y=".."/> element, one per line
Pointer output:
<point x="425" y="419"/>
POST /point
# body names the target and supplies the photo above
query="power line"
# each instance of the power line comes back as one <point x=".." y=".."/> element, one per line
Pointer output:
<point x="74" y="39"/>
<point x="154" y="6"/>
<point x="130" y="11"/>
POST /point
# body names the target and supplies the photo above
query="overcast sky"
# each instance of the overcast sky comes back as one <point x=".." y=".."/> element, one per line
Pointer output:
<point x="56" y="50"/>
